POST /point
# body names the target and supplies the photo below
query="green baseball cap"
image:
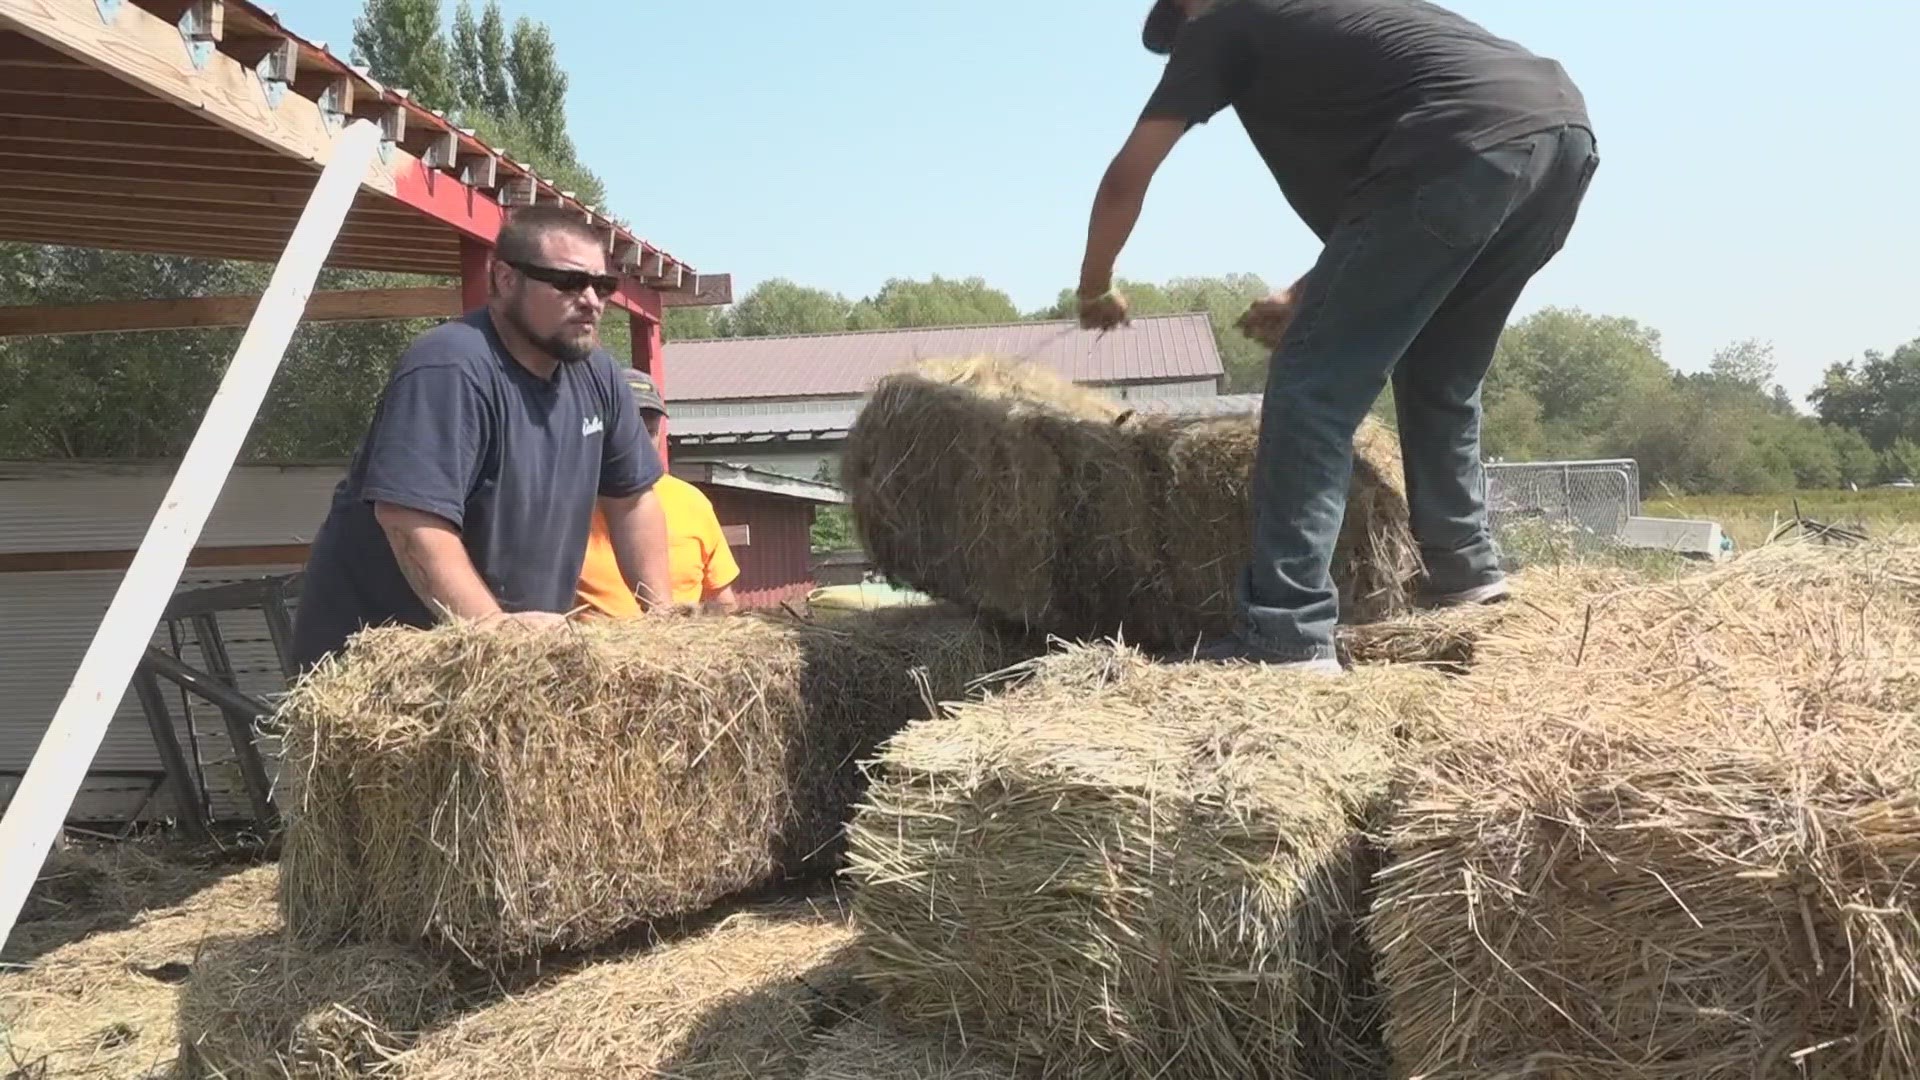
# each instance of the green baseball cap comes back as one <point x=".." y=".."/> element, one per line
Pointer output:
<point x="645" y="394"/>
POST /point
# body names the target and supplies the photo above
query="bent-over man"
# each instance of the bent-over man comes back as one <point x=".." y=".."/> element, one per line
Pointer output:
<point x="495" y="440"/>
<point x="1441" y="167"/>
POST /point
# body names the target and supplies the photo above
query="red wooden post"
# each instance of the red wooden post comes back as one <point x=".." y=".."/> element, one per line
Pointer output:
<point x="649" y="349"/>
<point x="474" y="258"/>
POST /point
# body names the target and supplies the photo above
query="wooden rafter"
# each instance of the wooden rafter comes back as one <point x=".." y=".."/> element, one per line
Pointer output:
<point x="357" y="305"/>
<point x="194" y="127"/>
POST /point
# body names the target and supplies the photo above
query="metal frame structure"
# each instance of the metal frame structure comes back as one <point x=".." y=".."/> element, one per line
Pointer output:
<point x="205" y="128"/>
<point x="1592" y="498"/>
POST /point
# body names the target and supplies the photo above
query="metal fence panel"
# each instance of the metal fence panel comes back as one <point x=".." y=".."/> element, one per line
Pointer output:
<point x="1590" y="499"/>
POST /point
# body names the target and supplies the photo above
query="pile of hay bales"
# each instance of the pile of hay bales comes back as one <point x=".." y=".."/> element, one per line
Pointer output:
<point x="1670" y="831"/>
<point x="1122" y="868"/>
<point x="1001" y="486"/>
<point x="506" y="793"/>
<point x="104" y="1005"/>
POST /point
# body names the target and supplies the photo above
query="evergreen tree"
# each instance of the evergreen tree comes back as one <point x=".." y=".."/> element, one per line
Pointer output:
<point x="400" y="42"/>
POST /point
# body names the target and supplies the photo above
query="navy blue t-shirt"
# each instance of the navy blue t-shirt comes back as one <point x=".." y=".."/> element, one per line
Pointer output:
<point x="466" y="433"/>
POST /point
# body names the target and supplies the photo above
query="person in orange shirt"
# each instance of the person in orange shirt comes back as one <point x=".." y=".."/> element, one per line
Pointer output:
<point x="700" y="564"/>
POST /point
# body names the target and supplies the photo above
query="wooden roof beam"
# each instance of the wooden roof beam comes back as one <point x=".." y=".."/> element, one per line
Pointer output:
<point x="143" y="49"/>
<point x="133" y="316"/>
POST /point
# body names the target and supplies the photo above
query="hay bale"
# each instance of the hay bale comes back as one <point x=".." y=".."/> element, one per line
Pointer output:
<point x="1003" y="487"/>
<point x="1124" y="867"/>
<point x="507" y="793"/>
<point x="1669" y="832"/>
<point x="1450" y="640"/>
<point x="103" y="1007"/>
<point x="744" y="999"/>
<point x="871" y="1049"/>
<point x="266" y="1008"/>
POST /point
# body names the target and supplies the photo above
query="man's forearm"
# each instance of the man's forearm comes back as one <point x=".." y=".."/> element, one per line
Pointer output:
<point x="722" y="600"/>
<point x="638" y="528"/>
<point x="1116" y="209"/>
<point x="435" y="563"/>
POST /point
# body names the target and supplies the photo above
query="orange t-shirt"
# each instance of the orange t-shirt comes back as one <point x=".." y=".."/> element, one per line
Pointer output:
<point x="698" y="557"/>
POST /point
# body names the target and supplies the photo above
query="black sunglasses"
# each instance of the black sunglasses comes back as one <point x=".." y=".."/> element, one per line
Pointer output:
<point x="568" y="281"/>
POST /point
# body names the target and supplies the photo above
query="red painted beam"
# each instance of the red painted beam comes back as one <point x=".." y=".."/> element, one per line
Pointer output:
<point x="445" y="198"/>
<point x="475" y="258"/>
<point x="475" y="216"/>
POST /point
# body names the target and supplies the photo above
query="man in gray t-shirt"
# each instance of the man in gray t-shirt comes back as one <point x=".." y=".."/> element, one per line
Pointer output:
<point x="1442" y="168"/>
<point x="497" y="435"/>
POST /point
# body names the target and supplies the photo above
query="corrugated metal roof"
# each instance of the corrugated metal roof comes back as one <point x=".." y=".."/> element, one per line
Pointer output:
<point x="1150" y="348"/>
<point x="743" y="425"/>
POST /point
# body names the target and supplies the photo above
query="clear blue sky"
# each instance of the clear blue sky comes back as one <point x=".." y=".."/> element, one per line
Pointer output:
<point x="1759" y="174"/>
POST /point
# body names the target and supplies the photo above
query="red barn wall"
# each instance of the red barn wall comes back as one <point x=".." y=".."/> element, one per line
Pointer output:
<point x="777" y="563"/>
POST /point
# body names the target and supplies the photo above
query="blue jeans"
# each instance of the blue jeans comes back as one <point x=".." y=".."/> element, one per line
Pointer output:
<point x="1415" y="284"/>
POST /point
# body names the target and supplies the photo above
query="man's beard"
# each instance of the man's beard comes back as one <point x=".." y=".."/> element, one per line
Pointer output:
<point x="562" y="348"/>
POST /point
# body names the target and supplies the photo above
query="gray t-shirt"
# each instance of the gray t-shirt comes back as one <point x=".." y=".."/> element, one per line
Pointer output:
<point x="464" y="432"/>
<point x="1334" y="92"/>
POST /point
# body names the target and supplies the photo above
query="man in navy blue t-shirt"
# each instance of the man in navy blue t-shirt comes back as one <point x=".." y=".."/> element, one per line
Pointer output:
<point x="472" y="493"/>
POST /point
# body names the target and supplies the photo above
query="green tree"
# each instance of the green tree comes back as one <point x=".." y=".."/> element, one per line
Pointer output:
<point x="496" y="97"/>
<point x="467" y="65"/>
<point x="1583" y="369"/>
<point x="935" y="302"/>
<point x="778" y="306"/>
<point x="1877" y="396"/>
<point x="400" y="41"/>
<point x="1744" y="365"/>
<point x="1510" y="427"/>
<point x="1900" y="461"/>
<point x="1858" y="462"/>
<point x="540" y="89"/>
<point x="693" y="323"/>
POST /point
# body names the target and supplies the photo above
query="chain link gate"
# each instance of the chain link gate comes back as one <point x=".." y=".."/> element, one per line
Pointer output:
<point x="1587" y="502"/>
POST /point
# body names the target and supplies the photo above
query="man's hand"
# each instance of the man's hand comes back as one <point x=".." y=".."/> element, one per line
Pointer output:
<point x="1103" y="311"/>
<point x="1266" y="321"/>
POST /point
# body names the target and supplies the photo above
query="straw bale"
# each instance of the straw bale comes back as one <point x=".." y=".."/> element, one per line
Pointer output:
<point x="744" y="999"/>
<point x="1119" y="867"/>
<point x="266" y="1008"/>
<point x="1450" y="639"/>
<point x="103" y="1007"/>
<point x="507" y="793"/>
<point x="1669" y="831"/>
<point x="998" y="485"/>
<point x="872" y="1049"/>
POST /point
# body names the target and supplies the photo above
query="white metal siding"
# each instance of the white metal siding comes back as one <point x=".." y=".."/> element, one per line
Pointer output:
<point x="47" y="620"/>
<point x="50" y="622"/>
<point x="88" y="508"/>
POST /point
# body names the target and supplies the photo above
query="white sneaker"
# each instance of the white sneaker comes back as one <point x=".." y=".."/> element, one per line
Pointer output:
<point x="1492" y="592"/>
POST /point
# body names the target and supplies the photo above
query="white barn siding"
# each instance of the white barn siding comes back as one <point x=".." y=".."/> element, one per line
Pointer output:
<point x="50" y="617"/>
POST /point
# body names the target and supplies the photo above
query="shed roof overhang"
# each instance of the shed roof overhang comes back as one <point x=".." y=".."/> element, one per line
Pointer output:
<point x="198" y="127"/>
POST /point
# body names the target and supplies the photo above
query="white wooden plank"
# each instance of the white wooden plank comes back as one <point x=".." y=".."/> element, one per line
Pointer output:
<point x="39" y="806"/>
